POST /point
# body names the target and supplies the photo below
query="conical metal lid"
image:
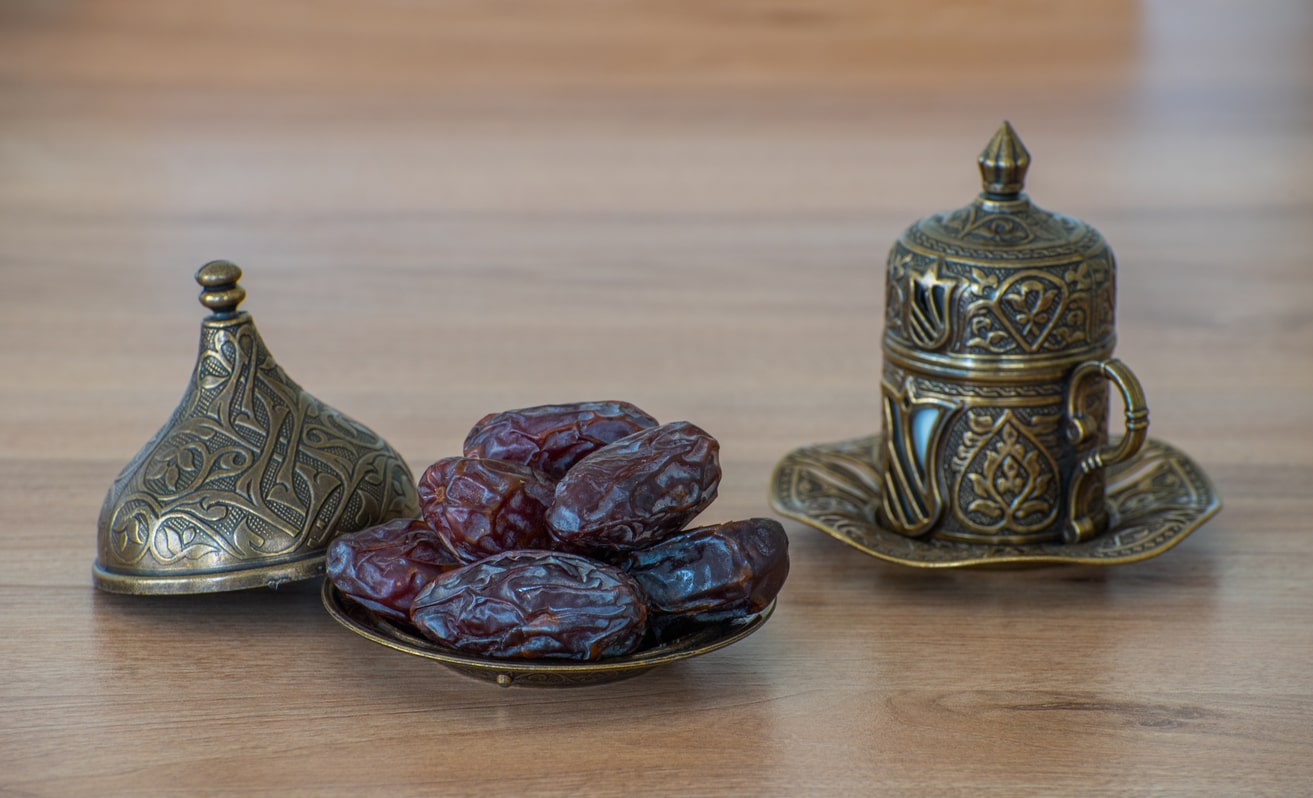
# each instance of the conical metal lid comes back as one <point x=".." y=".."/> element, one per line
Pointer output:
<point x="249" y="480"/>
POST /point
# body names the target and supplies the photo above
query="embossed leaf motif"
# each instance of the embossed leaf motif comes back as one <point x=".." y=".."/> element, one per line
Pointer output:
<point x="1031" y="301"/>
<point x="215" y="365"/>
<point x="1008" y="478"/>
<point x="182" y="542"/>
<point x="1011" y="480"/>
<point x="170" y="476"/>
<point x="991" y="510"/>
<point x="1023" y="313"/>
<point x="988" y="338"/>
<point x="1005" y="473"/>
<point x="1079" y="278"/>
<point x="986" y="507"/>
<point x="170" y="467"/>
<point x="995" y="229"/>
<point x="985" y="282"/>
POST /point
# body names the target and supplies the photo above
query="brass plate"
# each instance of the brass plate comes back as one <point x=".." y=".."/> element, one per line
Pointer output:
<point x="537" y="673"/>
<point x="1155" y="499"/>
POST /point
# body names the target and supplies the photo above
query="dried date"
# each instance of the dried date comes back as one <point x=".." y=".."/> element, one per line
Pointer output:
<point x="534" y="604"/>
<point x="636" y="491"/>
<point x="384" y="567"/>
<point x="712" y="573"/>
<point x="552" y="438"/>
<point x="481" y="507"/>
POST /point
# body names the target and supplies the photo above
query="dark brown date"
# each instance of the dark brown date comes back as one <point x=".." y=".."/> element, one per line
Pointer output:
<point x="384" y="567"/>
<point x="552" y="438"/>
<point x="534" y="604"/>
<point x="636" y="491"/>
<point x="712" y="573"/>
<point x="481" y="507"/>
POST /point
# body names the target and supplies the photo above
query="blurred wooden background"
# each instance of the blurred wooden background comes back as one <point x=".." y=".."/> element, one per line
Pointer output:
<point x="449" y="208"/>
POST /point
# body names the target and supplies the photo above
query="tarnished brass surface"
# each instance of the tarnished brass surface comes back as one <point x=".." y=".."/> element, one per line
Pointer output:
<point x="999" y="333"/>
<point x="538" y="673"/>
<point x="1154" y="500"/>
<point x="251" y="477"/>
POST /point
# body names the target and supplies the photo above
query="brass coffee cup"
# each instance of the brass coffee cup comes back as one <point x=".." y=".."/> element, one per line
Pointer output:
<point x="999" y="333"/>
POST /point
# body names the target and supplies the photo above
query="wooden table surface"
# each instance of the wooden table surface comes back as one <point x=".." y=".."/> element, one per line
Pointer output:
<point x="449" y="209"/>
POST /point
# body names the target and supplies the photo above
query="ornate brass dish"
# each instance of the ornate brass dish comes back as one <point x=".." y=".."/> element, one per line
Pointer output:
<point x="1154" y="499"/>
<point x="537" y="673"/>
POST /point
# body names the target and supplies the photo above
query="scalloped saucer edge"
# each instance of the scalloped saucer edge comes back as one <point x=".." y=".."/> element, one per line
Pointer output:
<point x="1155" y="499"/>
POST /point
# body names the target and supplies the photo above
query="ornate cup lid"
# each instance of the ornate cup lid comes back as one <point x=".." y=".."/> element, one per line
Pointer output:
<point x="1049" y="275"/>
<point x="1002" y="226"/>
<point x="249" y="480"/>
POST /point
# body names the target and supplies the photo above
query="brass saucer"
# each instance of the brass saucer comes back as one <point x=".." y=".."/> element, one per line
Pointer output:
<point x="538" y="673"/>
<point x="1155" y="499"/>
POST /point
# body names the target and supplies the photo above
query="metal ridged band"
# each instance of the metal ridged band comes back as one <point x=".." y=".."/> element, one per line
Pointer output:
<point x="183" y="583"/>
<point x="992" y="369"/>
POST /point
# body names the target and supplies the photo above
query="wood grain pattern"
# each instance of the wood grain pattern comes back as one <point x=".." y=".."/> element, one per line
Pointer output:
<point x="451" y="208"/>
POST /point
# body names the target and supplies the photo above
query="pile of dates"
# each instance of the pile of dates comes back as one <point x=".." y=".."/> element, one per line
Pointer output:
<point x="561" y="534"/>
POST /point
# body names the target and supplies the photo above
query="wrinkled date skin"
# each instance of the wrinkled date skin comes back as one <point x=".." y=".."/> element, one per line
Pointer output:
<point x="552" y="438"/>
<point x="636" y="491"/>
<point x="712" y="573"/>
<point x="482" y="507"/>
<point x="384" y="567"/>
<point x="534" y="604"/>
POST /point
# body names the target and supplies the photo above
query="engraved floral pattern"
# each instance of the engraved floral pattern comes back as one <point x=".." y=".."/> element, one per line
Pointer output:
<point x="1032" y="307"/>
<point x="1007" y="480"/>
<point x="1026" y="282"/>
<point x="249" y="468"/>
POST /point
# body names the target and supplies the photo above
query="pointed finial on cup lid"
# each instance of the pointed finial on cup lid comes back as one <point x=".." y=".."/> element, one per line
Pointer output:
<point x="1003" y="163"/>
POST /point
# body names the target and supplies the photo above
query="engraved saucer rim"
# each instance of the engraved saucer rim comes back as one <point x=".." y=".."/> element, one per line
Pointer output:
<point x="866" y="535"/>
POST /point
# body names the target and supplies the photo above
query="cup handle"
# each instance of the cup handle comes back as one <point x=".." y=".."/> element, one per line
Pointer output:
<point x="1081" y="527"/>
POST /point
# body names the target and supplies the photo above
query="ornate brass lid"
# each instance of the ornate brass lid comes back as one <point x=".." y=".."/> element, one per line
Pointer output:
<point x="1000" y="281"/>
<point x="249" y="480"/>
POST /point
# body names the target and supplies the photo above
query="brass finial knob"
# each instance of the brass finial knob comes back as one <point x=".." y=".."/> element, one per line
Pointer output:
<point x="219" y="289"/>
<point x="1003" y="163"/>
